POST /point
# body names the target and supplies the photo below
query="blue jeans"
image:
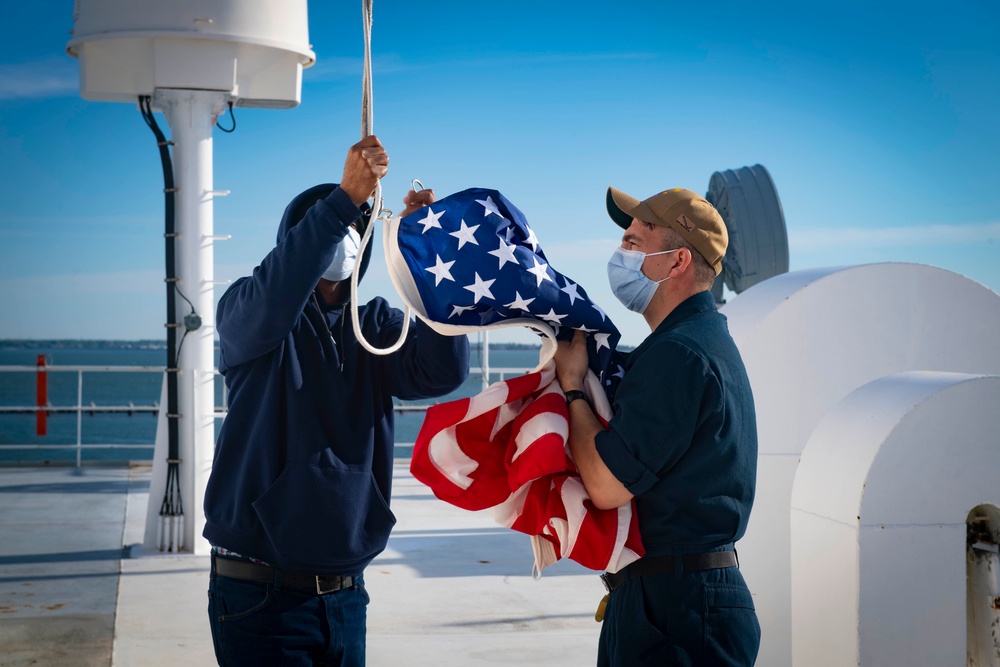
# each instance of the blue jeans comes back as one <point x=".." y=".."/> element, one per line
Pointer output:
<point x="261" y="624"/>
<point x="701" y="619"/>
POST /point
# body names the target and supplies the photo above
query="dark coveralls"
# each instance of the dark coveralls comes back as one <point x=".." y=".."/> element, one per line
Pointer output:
<point x="683" y="441"/>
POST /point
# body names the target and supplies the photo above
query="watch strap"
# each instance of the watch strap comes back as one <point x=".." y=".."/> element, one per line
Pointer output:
<point x="574" y="394"/>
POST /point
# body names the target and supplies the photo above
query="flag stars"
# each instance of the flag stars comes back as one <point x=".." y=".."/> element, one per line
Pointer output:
<point x="494" y="292"/>
<point x="552" y="317"/>
<point x="489" y="206"/>
<point x="505" y="253"/>
<point x="541" y="272"/>
<point x="441" y="270"/>
<point x="570" y="290"/>
<point x="520" y="303"/>
<point x="458" y="310"/>
<point x="465" y="234"/>
<point x="431" y="221"/>
<point x="481" y="288"/>
<point x="532" y="240"/>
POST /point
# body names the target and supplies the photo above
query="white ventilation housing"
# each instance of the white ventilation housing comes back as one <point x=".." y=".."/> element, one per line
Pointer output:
<point x="879" y="522"/>
<point x="809" y="340"/>
<point x="251" y="50"/>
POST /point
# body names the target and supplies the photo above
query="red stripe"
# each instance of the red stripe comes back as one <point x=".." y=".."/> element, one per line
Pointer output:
<point x="542" y="464"/>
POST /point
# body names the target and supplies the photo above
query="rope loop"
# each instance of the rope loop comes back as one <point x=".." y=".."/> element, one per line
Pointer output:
<point x="378" y="213"/>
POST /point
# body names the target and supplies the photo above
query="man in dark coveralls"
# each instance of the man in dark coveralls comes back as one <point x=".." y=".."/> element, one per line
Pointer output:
<point x="298" y="500"/>
<point x="682" y="442"/>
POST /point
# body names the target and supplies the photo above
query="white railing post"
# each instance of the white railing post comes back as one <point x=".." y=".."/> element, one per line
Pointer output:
<point x="484" y="358"/>
<point x="79" y="417"/>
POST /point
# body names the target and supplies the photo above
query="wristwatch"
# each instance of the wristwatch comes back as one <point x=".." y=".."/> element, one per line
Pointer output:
<point x="574" y="394"/>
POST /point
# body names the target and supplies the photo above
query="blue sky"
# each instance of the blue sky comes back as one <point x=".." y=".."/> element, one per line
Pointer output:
<point x="877" y="122"/>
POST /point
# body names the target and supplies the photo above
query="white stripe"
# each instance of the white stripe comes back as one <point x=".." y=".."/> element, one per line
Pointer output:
<point x="449" y="459"/>
<point x="491" y="398"/>
<point x="505" y="415"/>
<point x="443" y="449"/>
<point x="592" y="386"/>
<point x="399" y="273"/>
<point x="624" y="521"/>
<point x="542" y="424"/>
<point x="573" y="495"/>
<point x="507" y="512"/>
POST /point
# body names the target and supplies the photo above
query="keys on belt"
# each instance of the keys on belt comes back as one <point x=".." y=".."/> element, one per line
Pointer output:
<point x="710" y="560"/>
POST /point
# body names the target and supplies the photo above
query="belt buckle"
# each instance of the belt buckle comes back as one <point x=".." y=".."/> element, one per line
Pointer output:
<point x="336" y="583"/>
<point x="606" y="580"/>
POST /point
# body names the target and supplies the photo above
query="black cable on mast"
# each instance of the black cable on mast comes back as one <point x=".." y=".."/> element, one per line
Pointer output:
<point x="171" y="509"/>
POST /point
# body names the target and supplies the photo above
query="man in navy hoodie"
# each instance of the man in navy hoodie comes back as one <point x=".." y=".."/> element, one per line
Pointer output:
<point x="298" y="500"/>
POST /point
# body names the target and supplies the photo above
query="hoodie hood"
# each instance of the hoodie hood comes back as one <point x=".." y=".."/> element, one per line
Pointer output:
<point x="297" y="208"/>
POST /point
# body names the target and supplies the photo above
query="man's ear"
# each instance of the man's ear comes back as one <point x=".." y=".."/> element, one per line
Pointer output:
<point x="682" y="261"/>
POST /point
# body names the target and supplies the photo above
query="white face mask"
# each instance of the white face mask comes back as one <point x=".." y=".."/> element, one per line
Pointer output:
<point x="629" y="284"/>
<point x="347" y="254"/>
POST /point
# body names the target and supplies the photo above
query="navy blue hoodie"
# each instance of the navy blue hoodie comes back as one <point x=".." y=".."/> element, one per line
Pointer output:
<point x="303" y="465"/>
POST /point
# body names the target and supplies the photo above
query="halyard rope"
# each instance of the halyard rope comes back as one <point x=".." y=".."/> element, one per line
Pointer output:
<point x="367" y="129"/>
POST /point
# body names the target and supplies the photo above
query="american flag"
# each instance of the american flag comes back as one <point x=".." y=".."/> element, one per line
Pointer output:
<point x="506" y="449"/>
<point x="470" y="262"/>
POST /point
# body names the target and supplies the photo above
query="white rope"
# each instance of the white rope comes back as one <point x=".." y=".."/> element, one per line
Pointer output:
<point x="367" y="108"/>
<point x="367" y="129"/>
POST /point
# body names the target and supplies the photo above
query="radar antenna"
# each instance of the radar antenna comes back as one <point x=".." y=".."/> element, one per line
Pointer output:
<point x="758" y="240"/>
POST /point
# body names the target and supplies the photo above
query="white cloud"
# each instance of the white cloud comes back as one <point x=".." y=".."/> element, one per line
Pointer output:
<point x="811" y="240"/>
<point x="584" y="250"/>
<point x="55" y="286"/>
<point x="561" y="58"/>
<point x="336" y="68"/>
<point x="54" y="77"/>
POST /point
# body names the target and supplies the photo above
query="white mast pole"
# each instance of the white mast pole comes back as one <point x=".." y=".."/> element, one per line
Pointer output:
<point x="191" y="115"/>
<point x="192" y="57"/>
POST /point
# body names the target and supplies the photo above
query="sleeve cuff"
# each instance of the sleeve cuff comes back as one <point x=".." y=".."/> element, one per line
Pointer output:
<point x="635" y="476"/>
<point x="342" y="206"/>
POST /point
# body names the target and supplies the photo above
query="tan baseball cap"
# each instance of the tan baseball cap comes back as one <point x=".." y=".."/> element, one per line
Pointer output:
<point x="683" y="211"/>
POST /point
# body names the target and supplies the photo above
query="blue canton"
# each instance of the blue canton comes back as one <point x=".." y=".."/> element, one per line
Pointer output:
<point x="476" y="262"/>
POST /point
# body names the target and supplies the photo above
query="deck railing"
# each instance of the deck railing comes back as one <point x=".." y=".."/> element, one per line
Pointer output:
<point x="79" y="408"/>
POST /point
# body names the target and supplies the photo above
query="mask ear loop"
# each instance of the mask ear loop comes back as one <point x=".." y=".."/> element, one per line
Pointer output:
<point x="378" y="213"/>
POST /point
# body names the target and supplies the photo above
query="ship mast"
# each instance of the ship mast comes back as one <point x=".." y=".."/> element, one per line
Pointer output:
<point x="192" y="59"/>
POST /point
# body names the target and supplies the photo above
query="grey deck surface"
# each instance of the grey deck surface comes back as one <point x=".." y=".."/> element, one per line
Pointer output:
<point x="452" y="588"/>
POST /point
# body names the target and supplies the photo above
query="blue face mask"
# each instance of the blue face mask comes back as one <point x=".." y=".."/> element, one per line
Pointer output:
<point x="347" y="254"/>
<point x="628" y="282"/>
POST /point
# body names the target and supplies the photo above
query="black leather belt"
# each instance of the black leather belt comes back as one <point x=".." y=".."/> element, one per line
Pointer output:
<point x="265" y="574"/>
<point x="710" y="560"/>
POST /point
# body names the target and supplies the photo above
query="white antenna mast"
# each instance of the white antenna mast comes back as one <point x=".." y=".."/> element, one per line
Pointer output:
<point x="194" y="59"/>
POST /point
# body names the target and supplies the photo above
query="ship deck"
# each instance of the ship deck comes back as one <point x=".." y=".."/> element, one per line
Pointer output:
<point x="452" y="588"/>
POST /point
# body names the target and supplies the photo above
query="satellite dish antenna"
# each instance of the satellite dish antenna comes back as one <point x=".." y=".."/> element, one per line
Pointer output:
<point x="758" y="240"/>
<point x="191" y="60"/>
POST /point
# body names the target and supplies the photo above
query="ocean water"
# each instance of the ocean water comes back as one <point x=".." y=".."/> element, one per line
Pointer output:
<point x="142" y="389"/>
